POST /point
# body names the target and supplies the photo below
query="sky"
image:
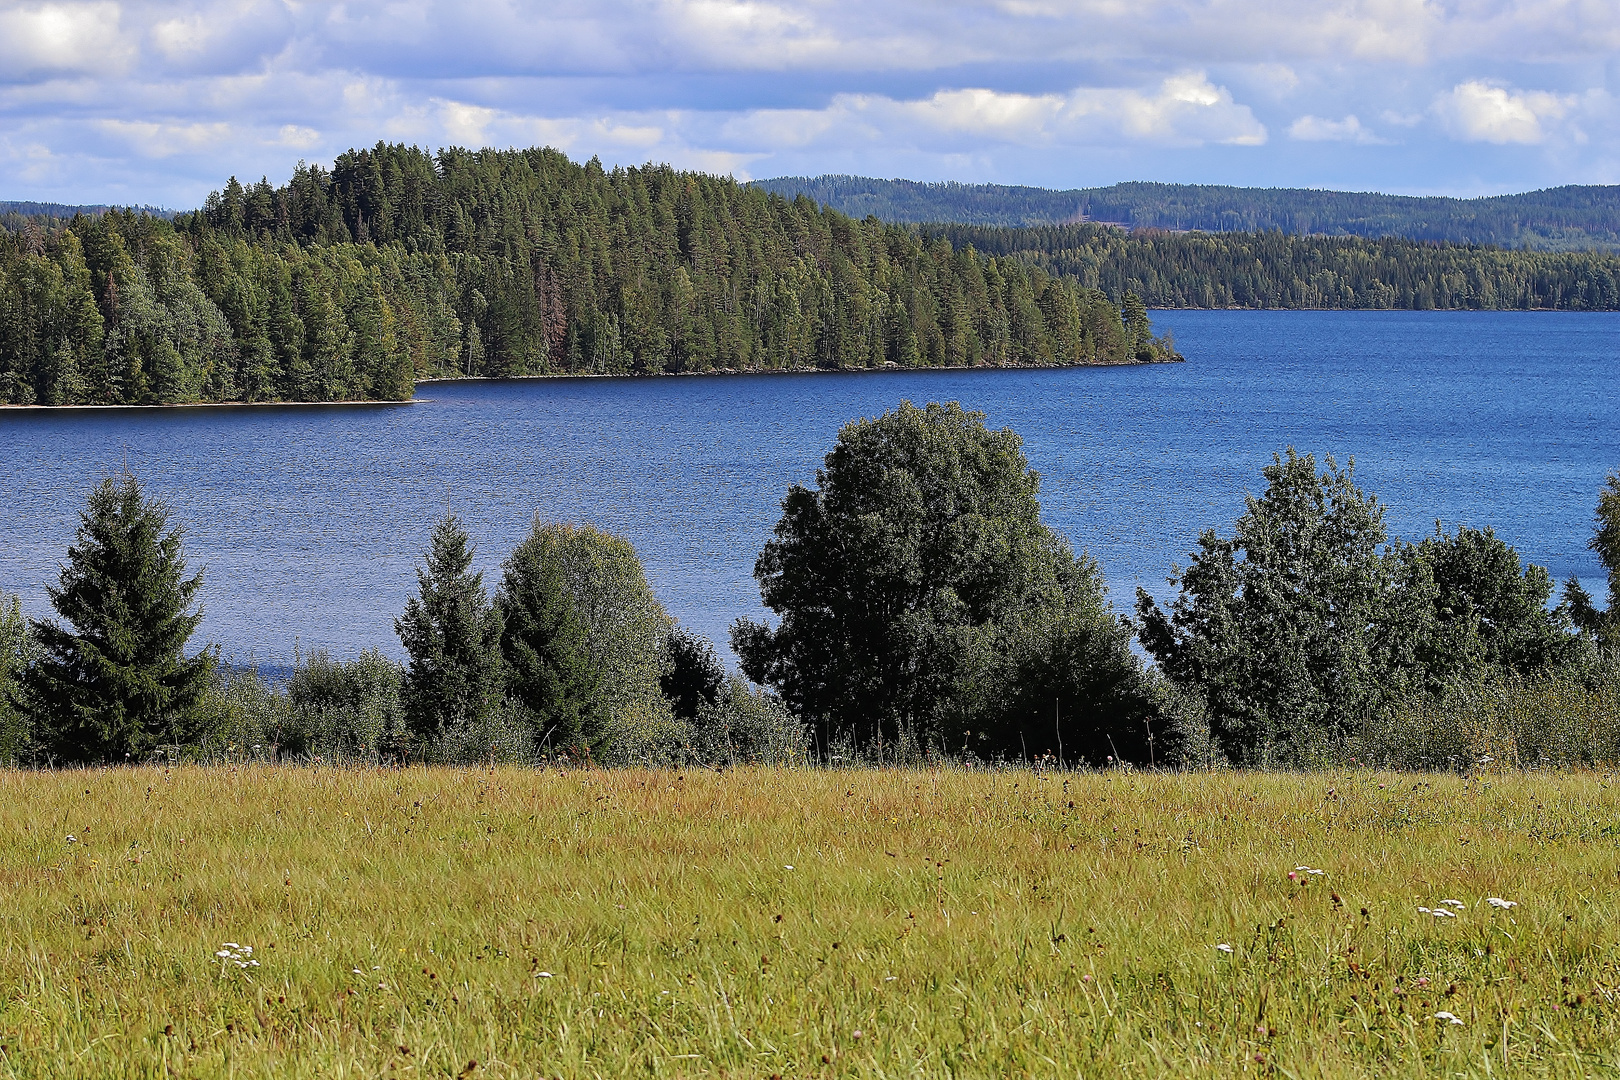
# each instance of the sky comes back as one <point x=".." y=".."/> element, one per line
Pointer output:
<point x="157" y="103"/>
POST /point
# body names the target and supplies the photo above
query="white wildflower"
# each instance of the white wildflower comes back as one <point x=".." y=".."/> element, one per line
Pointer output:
<point x="1450" y="1018"/>
<point x="1454" y="903"/>
<point x="1223" y="947"/>
<point x="1501" y="904"/>
<point x="1425" y="911"/>
<point x="357" y="971"/>
<point x="787" y="867"/>
<point x="542" y="975"/>
<point x="72" y="839"/>
<point x="1442" y="913"/>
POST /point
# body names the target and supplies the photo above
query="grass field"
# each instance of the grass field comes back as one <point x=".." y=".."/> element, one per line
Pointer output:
<point x="518" y="923"/>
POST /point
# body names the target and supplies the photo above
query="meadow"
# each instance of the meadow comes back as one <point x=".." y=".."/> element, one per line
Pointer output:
<point x="349" y="922"/>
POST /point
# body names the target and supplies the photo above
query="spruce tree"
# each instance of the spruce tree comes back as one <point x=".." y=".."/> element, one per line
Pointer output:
<point x="119" y="683"/>
<point x="453" y="634"/>
<point x="543" y="641"/>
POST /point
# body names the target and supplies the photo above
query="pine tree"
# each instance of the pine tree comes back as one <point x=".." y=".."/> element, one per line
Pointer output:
<point x="452" y="634"/>
<point x="119" y="683"/>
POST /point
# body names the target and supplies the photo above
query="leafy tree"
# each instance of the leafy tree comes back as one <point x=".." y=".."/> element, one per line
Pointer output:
<point x="1488" y="610"/>
<point x="904" y="580"/>
<point x="1278" y="624"/>
<point x="696" y="676"/>
<point x="118" y="683"/>
<point x="452" y="633"/>
<point x="585" y="642"/>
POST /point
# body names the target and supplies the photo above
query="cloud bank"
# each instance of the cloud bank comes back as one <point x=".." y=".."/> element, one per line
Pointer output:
<point x="116" y="100"/>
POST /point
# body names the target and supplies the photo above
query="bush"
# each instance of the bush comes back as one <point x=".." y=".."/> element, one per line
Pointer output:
<point x="1563" y="718"/>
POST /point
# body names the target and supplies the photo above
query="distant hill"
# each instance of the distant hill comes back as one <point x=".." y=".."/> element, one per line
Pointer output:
<point x="1554" y="219"/>
<point x="14" y="216"/>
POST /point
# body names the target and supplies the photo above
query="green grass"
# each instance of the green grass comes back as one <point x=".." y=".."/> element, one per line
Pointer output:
<point x="806" y="923"/>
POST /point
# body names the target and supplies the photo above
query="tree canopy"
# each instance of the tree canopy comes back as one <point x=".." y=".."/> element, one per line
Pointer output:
<point x="912" y="582"/>
<point x="116" y="682"/>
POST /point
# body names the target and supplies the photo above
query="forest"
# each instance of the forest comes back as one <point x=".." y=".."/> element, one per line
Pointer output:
<point x="397" y="265"/>
<point x="1569" y="218"/>
<point x="1277" y="270"/>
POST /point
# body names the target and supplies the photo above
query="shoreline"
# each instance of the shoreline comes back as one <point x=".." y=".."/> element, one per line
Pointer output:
<point x="889" y="368"/>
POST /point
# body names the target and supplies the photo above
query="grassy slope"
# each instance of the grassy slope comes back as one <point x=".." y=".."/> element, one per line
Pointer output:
<point x="964" y="924"/>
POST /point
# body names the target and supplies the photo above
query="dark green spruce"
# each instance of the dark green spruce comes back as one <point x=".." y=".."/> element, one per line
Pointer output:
<point x="116" y="683"/>
<point x="452" y="633"/>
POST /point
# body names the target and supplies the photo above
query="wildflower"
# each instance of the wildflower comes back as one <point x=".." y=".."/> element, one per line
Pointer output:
<point x="357" y="971"/>
<point x="1224" y="947"/>
<point x="1450" y="1018"/>
<point x="1454" y="903"/>
<point x="72" y="839"/>
<point x="858" y="1034"/>
<point x="785" y="867"/>
<point x="542" y="975"/>
<point x="1501" y="904"/>
<point x="1442" y="913"/>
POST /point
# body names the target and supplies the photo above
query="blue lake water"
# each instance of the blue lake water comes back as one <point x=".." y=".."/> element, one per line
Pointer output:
<point x="309" y="519"/>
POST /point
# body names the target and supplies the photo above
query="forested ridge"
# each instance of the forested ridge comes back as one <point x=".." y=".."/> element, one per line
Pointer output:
<point x="398" y="265"/>
<point x="1276" y="270"/>
<point x="1557" y="219"/>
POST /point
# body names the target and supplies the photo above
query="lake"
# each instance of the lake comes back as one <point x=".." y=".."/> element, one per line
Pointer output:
<point x="310" y="519"/>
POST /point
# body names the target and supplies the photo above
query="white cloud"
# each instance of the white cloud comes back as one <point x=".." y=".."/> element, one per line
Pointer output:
<point x="1478" y="111"/>
<point x="1315" y="129"/>
<point x="157" y="139"/>
<point x="52" y="38"/>
<point x="1184" y="110"/>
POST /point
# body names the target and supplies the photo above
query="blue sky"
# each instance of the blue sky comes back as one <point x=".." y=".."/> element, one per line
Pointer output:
<point x="109" y="101"/>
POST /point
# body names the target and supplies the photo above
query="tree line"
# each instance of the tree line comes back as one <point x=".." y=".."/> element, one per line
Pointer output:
<point x="397" y="265"/>
<point x="1572" y="218"/>
<point x="923" y="612"/>
<point x="1278" y="270"/>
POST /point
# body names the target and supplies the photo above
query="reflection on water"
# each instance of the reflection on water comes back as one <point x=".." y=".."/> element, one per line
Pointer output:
<point x="309" y="519"/>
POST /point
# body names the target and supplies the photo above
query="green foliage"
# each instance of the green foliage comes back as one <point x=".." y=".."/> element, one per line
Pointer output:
<point x="907" y="579"/>
<point x="1277" y="625"/>
<point x="1489" y="611"/>
<point x="584" y="642"/>
<point x="1278" y="270"/>
<point x="1559" y="718"/>
<point x="117" y="684"/>
<point x="452" y="633"/>
<point x="696" y="677"/>
<point x="397" y="265"/>
<point x="1563" y="218"/>
<point x="1300" y="634"/>
<point x="17" y="654"/>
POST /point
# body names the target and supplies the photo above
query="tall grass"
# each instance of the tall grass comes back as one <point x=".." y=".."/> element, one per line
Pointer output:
<point x="800" y="922"/>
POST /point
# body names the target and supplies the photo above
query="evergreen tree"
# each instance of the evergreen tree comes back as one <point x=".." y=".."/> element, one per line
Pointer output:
<point x="543" y="642"/>
<point x="1602" y="626"/>
<point x="118" y="683"/>
<point x="16" y="656"/>
<point x="453" y="635"/>
<point x="586" y="642"/>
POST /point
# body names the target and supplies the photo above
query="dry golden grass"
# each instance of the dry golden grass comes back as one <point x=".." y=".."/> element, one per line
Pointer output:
<point x="806" y="923"/>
